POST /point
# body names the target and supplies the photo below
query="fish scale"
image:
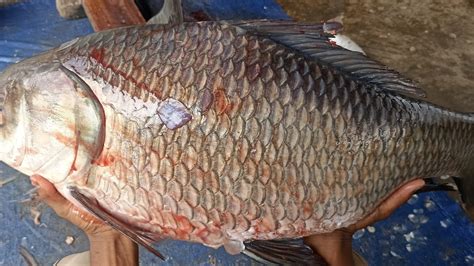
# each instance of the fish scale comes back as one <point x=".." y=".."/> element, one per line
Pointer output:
<point x="215" y="133"/>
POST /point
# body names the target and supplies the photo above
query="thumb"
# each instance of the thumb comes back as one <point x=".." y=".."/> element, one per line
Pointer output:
<point x="48" y="193"/>
<point x="392" y="203"/>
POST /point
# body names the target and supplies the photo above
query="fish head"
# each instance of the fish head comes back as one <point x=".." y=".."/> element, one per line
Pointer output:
<point x="51" y="122"/>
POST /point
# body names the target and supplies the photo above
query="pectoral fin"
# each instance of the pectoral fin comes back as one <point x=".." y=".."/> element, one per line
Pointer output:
<point x="282" y="252"/>
<point x="92" y="206"/>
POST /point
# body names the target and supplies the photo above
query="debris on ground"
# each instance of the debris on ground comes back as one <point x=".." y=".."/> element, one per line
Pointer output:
<point x="26" y="255"/>
<point x="36" y="214"/>
<point x="70" y="9"/>
<point x="8" y="180"/>
<point x="69" y="240"/>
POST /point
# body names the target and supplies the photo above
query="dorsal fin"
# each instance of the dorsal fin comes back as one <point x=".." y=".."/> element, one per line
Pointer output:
<point x="314" y="41"/>
<point x="171" y="13"/>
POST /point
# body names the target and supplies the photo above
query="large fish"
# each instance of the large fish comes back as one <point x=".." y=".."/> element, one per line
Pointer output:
<point x="224" y="132"/>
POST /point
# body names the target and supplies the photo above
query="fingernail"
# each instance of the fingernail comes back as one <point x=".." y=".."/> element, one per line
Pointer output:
<point x="417" y="185"/>
<point x="34" y="181"/>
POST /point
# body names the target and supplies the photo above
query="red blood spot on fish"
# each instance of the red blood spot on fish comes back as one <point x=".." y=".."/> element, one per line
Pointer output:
<point x="184" y="227"/>
<point x="222" y="104"/>
<point x="333" y="43"/>
<point x="105" y="160"/>
<point x="97" y="54"/>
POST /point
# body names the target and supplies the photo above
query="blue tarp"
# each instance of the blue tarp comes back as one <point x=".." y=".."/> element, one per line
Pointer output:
<point x="429" y="230"/>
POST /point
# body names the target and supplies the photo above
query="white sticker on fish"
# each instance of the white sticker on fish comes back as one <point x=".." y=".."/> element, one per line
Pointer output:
<point x="171" y="112"/>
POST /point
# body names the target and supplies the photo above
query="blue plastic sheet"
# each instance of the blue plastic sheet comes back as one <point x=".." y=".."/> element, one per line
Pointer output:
<point x="430" y="230"/>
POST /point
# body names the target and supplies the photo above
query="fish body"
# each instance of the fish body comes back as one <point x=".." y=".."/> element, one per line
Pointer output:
<point x="217" y="133"/>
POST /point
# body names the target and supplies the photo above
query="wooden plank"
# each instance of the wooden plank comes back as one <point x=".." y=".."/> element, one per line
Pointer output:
<point x="109" y="14"/>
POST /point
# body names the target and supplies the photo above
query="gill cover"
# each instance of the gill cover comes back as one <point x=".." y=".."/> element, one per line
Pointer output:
<point x="59" y="125"/>
<point x="90" y="122"/>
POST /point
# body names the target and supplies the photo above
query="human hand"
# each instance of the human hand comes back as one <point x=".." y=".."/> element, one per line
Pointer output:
<point x="336" y="247"/>
<point x="66" y="210"/>
<point x="107" y="245"/>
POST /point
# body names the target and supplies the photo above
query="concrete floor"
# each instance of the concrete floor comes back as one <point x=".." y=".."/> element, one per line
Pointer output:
<point x="429" y="41"/>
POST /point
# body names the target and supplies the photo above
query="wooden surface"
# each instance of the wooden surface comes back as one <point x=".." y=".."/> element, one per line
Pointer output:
<point x="109" y="14"/>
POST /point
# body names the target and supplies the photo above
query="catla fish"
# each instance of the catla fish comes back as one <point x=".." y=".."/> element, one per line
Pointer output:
<point x="224" y="132"/>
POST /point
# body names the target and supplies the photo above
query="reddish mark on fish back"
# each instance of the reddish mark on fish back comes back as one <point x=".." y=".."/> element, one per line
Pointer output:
<point x="99" y="56"/>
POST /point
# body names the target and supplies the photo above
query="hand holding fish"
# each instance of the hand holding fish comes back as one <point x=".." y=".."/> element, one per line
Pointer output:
<point x="107" y="246"/>
<point x="66" y="210"/>
<point x="336" y="247"/>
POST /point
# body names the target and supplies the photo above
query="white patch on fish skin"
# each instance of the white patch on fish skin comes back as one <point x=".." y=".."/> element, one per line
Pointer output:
<point x="347" y="43"/>
<point x="171" y="112"/>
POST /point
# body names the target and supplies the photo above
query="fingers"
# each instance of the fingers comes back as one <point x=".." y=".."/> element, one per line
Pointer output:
<point x="393" y="202"/>
<point x="48" y="194"/>
<point x="65" y="209"/>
